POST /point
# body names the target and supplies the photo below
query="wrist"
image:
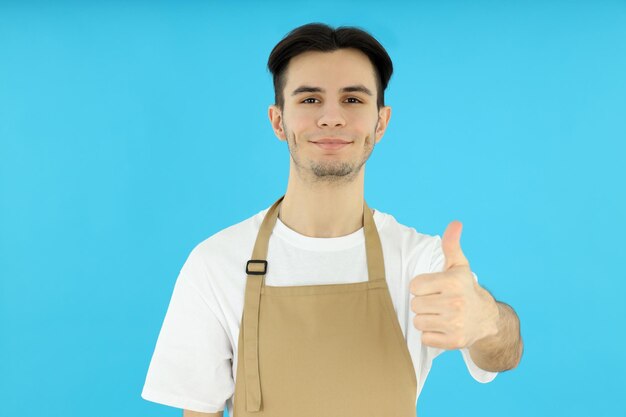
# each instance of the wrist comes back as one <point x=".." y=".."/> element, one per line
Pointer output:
<point x="493" y="315"/>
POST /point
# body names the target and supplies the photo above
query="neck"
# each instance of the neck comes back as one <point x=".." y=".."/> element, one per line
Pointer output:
<point x="323" y="210"/>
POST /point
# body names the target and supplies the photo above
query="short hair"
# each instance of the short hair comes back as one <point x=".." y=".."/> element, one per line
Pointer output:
<point x="323" y="38"/>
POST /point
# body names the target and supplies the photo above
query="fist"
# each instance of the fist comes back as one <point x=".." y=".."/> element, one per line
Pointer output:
<point x="451" y="310"/>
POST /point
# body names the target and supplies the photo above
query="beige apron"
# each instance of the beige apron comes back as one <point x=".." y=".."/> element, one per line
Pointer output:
<point x="322" y="350"/>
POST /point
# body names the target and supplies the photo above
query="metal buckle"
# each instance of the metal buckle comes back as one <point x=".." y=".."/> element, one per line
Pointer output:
<point x="256" y="261"/>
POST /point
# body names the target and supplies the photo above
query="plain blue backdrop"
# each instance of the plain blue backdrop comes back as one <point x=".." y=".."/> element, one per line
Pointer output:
<point x="130" y="132"/>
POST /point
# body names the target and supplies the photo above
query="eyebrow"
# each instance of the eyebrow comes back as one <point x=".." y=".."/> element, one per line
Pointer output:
<point x="350" y="89"/>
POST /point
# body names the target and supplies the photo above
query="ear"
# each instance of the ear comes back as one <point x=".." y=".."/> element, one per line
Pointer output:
<point x="384" y="114"/>
<point x="276" y="118"/>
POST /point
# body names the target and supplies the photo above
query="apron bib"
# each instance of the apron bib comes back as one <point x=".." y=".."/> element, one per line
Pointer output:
<point x="322" y="350"/>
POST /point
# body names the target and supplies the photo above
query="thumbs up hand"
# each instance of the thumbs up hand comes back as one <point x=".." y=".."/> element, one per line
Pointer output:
<point x="451" y="309"/>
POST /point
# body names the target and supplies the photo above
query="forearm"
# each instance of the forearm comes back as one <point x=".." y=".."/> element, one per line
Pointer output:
<point x="502" y="351"/>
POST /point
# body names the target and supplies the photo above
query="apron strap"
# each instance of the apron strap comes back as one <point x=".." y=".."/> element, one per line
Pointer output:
<point x="373" y="247"/>
<point x="256" y="268"/>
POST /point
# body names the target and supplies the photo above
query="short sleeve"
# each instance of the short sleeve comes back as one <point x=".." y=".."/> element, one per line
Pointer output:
<point x="191" y="367"/>
<point x="436" y="265"/>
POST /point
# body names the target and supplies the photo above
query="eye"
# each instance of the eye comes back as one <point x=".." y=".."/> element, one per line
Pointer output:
<point x="349" y="98"/>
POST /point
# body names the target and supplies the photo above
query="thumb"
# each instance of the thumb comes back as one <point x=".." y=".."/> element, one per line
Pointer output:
<point x="451" y="246"/>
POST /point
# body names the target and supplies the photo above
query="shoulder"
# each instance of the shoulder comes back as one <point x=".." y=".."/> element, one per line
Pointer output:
<point x="404" y="238"/>
<point x="215" y="261"/>
<point x="230" y="242"/>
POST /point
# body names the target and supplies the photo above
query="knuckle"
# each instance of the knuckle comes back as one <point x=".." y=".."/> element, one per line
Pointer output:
<point x="453" y="286"/>
<point x="457" y="325"/>
<point x="457" y="303"/>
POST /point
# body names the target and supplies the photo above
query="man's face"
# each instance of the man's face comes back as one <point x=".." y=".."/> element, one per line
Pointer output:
<point x="328" y="112"/>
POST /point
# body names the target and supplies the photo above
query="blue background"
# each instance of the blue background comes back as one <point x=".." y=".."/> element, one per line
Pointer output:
<point x="132" y="131"/>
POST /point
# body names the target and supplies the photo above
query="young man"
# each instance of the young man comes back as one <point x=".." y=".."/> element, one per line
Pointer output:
<point x="285" y="313"/>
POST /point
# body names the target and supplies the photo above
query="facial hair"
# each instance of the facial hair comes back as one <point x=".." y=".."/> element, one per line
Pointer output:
<point x="330" y="172"/>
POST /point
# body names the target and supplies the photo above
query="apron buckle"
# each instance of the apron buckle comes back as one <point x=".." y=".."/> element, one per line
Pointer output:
<point x="258" y="261"/>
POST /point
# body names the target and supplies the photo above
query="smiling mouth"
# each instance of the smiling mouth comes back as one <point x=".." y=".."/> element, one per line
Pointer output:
<point x="332" y="145"/>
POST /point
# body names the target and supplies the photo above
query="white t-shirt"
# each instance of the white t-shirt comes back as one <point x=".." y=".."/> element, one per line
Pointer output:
<point x="194" y="364"/>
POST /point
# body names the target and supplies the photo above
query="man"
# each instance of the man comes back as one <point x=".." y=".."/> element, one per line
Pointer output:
<point x="284" y="313"/>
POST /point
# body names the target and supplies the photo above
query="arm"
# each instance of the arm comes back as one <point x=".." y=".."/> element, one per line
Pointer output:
<point x="188" y="413"/>
<point x="502" y="351"/>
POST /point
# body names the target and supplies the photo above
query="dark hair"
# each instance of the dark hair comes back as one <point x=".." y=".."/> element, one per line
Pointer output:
<point x="323" y="38"/>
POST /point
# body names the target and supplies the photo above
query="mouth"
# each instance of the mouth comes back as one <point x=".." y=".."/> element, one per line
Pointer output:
<point x="332" y="145"/>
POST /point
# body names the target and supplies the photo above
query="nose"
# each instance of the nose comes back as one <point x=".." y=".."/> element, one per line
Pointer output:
<point x="331" y="116"/>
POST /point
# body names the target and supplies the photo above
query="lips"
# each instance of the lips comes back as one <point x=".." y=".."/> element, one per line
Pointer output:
<point x="331" y="140"/>
<point x="332" y="145"/>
